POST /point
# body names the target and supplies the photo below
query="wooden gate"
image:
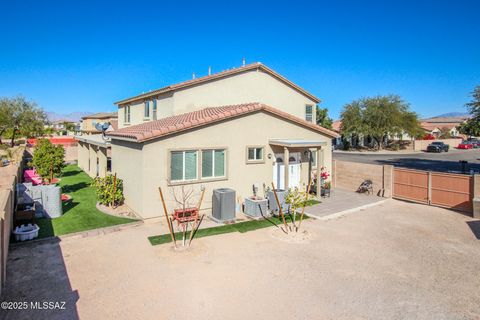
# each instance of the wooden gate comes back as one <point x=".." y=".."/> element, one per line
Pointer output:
<point x="453" y="191"/>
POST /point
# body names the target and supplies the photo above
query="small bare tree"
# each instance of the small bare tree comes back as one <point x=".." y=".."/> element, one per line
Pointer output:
<point x="187" y="215"/>
<point x="184" y="200"/>
<point x="295" y="199"/>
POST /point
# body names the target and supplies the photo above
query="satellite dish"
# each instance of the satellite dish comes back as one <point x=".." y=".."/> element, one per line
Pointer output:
<point x="103" y="126"/>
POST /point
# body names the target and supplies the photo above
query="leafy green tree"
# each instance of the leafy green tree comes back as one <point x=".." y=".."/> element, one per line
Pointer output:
<point x="48" y="159"/>
<point x="379" y="117"/>
<point x="352" y="123"/>
<point x="472" y="126"/>
<point x="21" y="117"/>
<point x="322" y="118"/>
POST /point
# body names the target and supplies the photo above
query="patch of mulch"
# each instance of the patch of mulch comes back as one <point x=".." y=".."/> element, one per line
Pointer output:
<point x="120" y="211"/>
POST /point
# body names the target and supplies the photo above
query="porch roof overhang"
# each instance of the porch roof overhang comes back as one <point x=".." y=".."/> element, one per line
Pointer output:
<point x="299" y="143"/>
<point x="94" y="139"/>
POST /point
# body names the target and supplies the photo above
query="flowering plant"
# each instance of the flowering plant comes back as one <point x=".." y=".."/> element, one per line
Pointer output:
<point x="324" y="173"/>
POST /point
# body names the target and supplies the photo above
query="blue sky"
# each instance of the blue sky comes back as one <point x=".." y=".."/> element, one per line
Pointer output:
<point x="82" y="56"/>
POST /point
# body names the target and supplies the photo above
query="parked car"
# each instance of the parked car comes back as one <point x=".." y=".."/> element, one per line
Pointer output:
<point x="475" y="143"/>
<point x="465" y="145"/>
<point x="437" y="146"/>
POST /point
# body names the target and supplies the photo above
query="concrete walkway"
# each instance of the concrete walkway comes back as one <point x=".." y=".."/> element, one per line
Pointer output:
<point x="342" y="202"/>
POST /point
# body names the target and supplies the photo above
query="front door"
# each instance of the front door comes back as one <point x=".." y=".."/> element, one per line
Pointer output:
<point x="294" y="169"/>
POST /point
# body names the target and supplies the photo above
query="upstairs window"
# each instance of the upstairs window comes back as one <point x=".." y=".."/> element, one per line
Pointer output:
<point x="146" y="111"/>
<point x="126" y="114"/>
<point x="309" y="113"/>
<point x="154" y="111"/>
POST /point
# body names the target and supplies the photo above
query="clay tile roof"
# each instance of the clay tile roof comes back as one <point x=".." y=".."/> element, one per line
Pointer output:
<point x="337" y="126"/>
<point x="215" y="76"/>
<point x="179" y="123"/>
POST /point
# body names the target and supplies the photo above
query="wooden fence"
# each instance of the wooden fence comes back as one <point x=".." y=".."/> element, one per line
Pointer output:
<point x="453" y="191"/>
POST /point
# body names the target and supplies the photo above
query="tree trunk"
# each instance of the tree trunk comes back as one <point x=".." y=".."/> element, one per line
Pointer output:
<point x="2" y="131"/>
<point x="12" y="143"/>
<point x="379" y="143"/>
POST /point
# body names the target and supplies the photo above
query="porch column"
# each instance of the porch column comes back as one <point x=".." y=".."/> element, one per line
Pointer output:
<point x="286" y="161"/>
<point x="319" y="166"/>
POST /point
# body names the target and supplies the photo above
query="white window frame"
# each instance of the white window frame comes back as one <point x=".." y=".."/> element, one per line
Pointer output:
<point x="311" y="113"/>
<point x="146" y="110"/>
<point x="183" y="166"/>
<point x="154" y="109"/>
<point x="213" y="163"/>
<point x="262" y="160"/>
<point x="126" y="114"/>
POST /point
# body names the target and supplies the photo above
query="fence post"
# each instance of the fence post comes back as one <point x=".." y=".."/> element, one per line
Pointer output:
<point x="476" y="196"/>
<point x="429" y="188"/>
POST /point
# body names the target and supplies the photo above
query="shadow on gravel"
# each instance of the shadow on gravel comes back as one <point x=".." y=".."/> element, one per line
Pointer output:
<point x="475" y="227"/>
<point x="37" y="274"/>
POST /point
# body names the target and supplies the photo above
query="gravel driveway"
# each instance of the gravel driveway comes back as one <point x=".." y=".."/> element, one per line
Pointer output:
<point x="393" y="261"/>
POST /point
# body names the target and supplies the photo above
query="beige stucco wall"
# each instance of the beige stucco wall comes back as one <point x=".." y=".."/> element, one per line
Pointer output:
<point x="83" y="155"/>
<point x="89" y="153"/>
<point x="144" y="169"/>
<point x="127" y="163"/>
<point x="250" y="86"/>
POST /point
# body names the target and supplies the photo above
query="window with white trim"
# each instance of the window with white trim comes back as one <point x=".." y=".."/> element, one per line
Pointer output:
<point x="213" y="163"/>
<point x="126" y="114"/>
<point x="154" y="111"/>
<point x="146" y="110"/>
<point x="255" y="154"/>
<point x="183" y="165"/>
<point x="309" y="113"/>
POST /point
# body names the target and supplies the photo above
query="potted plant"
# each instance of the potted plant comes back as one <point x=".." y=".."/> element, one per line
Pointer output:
<point x="326" y="187"/>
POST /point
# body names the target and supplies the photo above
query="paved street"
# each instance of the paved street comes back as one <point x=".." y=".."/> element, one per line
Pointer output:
<point x="444" y="162"/>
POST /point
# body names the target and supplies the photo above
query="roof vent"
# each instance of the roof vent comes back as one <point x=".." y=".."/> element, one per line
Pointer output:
<point x="193" y="75"/>
<point x="243" y="62"/>
<point x="209" y="70"/>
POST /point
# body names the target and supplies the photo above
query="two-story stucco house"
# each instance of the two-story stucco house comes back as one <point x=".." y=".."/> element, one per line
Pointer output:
<point x="251" y="83"/>
<point x="239" y="128"/>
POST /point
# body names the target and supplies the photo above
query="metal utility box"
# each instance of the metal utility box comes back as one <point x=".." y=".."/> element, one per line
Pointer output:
<point x="223" y="205"/>
<point x="272" y="202"/>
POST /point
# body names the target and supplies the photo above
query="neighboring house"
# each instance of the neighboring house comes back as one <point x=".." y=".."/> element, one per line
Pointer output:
<point x="436" y="126"/>
<point x="233" y="146"/>
<point x="93" y="148"/>
<point x="88" y="122"/>
<point x="361" y="140"/>
<point x="63" y="127"/>
<point x="249" y="83"/>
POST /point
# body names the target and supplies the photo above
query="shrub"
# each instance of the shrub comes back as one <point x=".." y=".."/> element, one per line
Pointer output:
<point x="109" y="192"/>
<point x="48" y="159"/>
<point x="428" y="137"/>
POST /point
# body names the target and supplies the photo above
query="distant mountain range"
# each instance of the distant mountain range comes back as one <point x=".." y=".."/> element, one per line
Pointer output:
<point x="73" y="116"/>
<point x="453" y="114"/>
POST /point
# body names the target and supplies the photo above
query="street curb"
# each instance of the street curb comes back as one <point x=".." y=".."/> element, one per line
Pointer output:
<point x="346" y="212"/>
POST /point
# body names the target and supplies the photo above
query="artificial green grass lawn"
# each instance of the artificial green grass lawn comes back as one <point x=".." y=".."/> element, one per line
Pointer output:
<point x="241" y="227"/>
<point x="80" y="212"/>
